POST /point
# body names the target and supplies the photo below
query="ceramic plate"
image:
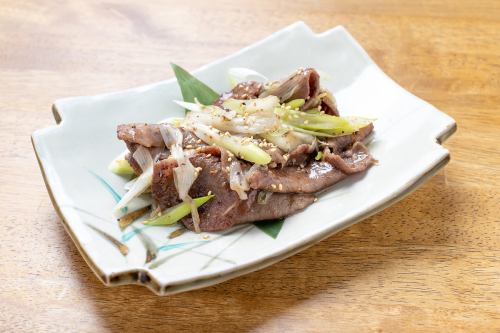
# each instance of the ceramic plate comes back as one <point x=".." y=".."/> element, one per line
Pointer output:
<point x="74" y="156"/>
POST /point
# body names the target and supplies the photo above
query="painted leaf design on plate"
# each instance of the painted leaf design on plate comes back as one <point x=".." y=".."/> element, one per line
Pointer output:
<point x="106" y="185"/>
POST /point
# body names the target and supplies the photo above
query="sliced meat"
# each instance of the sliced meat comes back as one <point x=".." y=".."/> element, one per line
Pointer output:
<point x="209" y="150"/>
<point x="277" y="206"/>
<point x="341" y="143"/>
<point x="244" y="90"/>
<point x="328" y="104"/>
<point x="302" y="154"/>
<point x="225" y="209"/>
<point x="277" y="158"/>
<point x="162" y="186"/>
<point x="303" y="84"/>
<point x="314" y="177"/>
<point x="156" y="153"/>
<point x="352" y="161"/>
<point x="149" y="135"/>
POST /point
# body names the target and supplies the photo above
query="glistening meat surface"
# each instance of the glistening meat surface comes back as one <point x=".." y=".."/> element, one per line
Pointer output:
<point x="225" y="209"/>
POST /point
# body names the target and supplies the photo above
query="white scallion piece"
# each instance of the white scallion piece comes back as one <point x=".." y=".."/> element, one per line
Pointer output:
<point x="143" y="182"/>
<point x="242" y="74"/>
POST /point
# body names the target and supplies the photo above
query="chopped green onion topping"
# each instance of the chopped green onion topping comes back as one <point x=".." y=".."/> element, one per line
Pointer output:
<point x="177" y="212"/>
<point x="313" y="111"/>
<point x="236" y="145"/>
<point x="296" y="103"/>
<point x="321" y="123"/>
<point x="121" y="167"/>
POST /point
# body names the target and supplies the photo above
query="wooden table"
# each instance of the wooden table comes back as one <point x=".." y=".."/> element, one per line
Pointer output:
<point x="429" y="263"/>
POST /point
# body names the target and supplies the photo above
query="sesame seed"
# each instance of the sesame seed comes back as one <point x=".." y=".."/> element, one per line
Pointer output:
<point x="209" y="155"/>
<point x="280" y="186"/>
<point x="209" y="193"/>
<point x="273" y="186"/>
<point x="315" y="199"/>
<point x="306" y="122"/>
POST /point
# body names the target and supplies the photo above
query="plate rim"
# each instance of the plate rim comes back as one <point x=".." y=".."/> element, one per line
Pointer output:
<point x="143" y="276"/>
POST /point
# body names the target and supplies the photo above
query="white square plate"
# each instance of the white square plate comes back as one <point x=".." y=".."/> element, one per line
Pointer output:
<point x="74" y="155"/>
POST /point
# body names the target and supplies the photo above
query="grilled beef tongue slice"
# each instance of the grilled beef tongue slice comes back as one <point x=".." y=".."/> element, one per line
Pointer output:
<point x="303" y="84"/>
<point x="243" y="90"/>
<point x="225" y="209"/>
<point x="304" y="153"/>
<point x="341" y="143"/>
<point x="149" y="136"/>
<point x="315" y="176"/>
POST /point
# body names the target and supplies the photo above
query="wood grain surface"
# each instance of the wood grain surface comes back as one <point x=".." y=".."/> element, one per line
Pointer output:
<point x="428" y="264"/>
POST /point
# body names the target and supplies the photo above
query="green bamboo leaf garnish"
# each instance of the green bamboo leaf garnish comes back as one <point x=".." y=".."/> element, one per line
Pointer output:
<point x="192" y="88"/>
<point x="271" y="227"/>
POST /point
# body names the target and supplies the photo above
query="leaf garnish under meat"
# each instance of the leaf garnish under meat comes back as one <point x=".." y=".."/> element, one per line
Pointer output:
<point x="192" y="88"/>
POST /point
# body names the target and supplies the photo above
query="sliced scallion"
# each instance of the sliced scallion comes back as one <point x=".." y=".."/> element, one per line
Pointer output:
<point x="177" y="212"/>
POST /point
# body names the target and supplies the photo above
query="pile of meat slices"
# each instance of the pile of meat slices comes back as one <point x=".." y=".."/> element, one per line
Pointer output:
<point x="286" y="185"/>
